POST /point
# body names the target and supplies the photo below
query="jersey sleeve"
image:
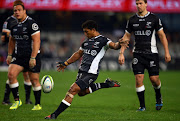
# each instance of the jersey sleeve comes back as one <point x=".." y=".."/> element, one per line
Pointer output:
<point x="129" y="26"/>
<point x="34" y="28"/>
<point x="6" y="25"/>
<point x="158" y="25"/>
<point x="108" y="41"/>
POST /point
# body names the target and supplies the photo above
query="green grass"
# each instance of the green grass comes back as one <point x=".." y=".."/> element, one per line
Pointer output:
<point x="114" y="104"/>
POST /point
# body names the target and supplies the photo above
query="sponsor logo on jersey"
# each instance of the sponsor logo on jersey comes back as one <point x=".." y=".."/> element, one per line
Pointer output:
<point x="148" y="25"/>
<point x="19" y="37"/>
<point x="85" y="44"/>
<point x="90" y="52"/>
<point x="14" y="30"/>
<point x="35" y="26"/>
<point x="147" y="33"/>
<point x="135" y="25"/>
<point x="141" y="19"/>
<point x="135" y="61"/>
<point x="96" y="44"/>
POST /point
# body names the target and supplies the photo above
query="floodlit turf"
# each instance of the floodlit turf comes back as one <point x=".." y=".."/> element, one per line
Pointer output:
<point x="113" y="104"/>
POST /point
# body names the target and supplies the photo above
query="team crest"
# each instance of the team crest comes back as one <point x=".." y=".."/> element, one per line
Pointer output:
<point x="35" y="26"/>
<point x="135" y="61"/>
<point x="148" y="25"/>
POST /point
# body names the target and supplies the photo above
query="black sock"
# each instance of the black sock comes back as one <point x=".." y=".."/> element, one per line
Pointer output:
<point x="141" y="98"/>
<point x="96" y="86"/>
<point x="63" y="106"/>
<point x="15" y="93"/>
<point x="7" y="92"/>
<point x="27" y="91"/>
<point x="158" y="93"/>
<point x="37" y="95"/>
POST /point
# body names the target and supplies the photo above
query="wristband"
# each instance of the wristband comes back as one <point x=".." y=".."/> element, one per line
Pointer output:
<point x="66" y="63"/>
<point x="9" y="54"/>
<point x="33" y="58"/>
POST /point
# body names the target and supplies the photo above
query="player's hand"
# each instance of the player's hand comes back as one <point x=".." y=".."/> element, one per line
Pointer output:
<point x="32" y="62"/>
<point x="167" y="57"/>
<point x="9" y="59"/>
<point x="121" y="59"/>
<point x="61" y="66"/>
<point x="124" y="43"/>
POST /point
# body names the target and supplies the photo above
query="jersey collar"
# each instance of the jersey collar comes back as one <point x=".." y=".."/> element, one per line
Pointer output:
<point x="143" y="16"/>
<point x="24" y="20"/>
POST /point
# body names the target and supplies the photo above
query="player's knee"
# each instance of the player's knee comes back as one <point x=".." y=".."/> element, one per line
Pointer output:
<point x="10" y="75"/>
<point x="154" y="79"/>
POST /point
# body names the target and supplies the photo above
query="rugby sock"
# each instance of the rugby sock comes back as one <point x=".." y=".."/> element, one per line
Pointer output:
<point x="37" y="94"/>
<point x="14" y="89"/>
<point x="7" y="91"/>
<point x="158" y="91"/>
<point x="27" y="87"/>
<point x="96" y="86"/>
<point x="63" y="106"/>
<point x="140" y="92"/>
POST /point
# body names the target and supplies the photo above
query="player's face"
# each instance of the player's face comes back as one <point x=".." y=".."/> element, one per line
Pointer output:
<point x="19" y="12"/>
<point x="88" y="32"/>
<point x="141" y="6"/>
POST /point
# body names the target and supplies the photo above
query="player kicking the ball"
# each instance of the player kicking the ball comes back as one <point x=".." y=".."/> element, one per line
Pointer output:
<point x="92" y="51"/>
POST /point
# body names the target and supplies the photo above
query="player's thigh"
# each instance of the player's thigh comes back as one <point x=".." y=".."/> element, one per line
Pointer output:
<point x="14" y="70"/>
<point x="34" y="77"/>
<point x="26" y="76"/>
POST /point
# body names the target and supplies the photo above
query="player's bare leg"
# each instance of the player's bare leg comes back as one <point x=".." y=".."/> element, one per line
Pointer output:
<point x="66" y="102"/>
<point x="157" y="86"/>
<point x="13" y="72"/>
<point x="140" y="89"/>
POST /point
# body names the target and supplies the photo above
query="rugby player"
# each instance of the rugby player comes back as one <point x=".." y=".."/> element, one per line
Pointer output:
<point x="8" y="24"/>
<point x="25" y="41"/>
<point x="92" y="51"/>
<point x="144" y="25"/>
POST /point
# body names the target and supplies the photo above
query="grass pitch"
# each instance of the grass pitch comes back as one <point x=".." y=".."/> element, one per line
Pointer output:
<point x="113" y="104"/>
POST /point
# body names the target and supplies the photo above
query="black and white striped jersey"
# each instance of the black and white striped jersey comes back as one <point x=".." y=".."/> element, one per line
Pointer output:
<point x="93" y="52"/>
<point x="144" y="29"/>
<point x="22" y="33"/>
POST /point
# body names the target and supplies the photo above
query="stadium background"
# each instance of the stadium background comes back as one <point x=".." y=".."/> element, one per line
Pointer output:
<point x="61" y="34"/>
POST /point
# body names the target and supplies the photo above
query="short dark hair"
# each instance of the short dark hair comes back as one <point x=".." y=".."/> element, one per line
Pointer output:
<point x="90" y="24"/>
<point x="143" y="0"/>
<point x="18" y="2"/>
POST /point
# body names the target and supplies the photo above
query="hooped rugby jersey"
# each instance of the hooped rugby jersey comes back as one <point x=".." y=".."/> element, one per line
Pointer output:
<point x="22" y="33"/>
<point x="144" y="29"/>
<point x="93" y="52"/>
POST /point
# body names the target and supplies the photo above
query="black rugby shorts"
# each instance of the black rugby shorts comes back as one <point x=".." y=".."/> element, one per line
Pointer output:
<point x="143" y="61"/>
<point x="84" y="79"/>
<point x="24" y="62"/>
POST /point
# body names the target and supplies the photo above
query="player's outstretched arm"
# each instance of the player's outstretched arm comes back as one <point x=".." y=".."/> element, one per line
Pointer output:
<point x="76" y="56"/>
<point x="164" y="41"/>
<point x="124" y="41"/>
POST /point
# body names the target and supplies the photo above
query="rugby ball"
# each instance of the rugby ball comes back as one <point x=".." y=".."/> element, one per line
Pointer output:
<point x="47" y="83"/>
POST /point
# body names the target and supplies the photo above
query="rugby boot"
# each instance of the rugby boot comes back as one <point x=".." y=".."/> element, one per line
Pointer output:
<point x="112" y="83"/>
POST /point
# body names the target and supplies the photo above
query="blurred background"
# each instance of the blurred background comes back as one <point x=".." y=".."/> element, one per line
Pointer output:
<point x="61" y="33"/>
